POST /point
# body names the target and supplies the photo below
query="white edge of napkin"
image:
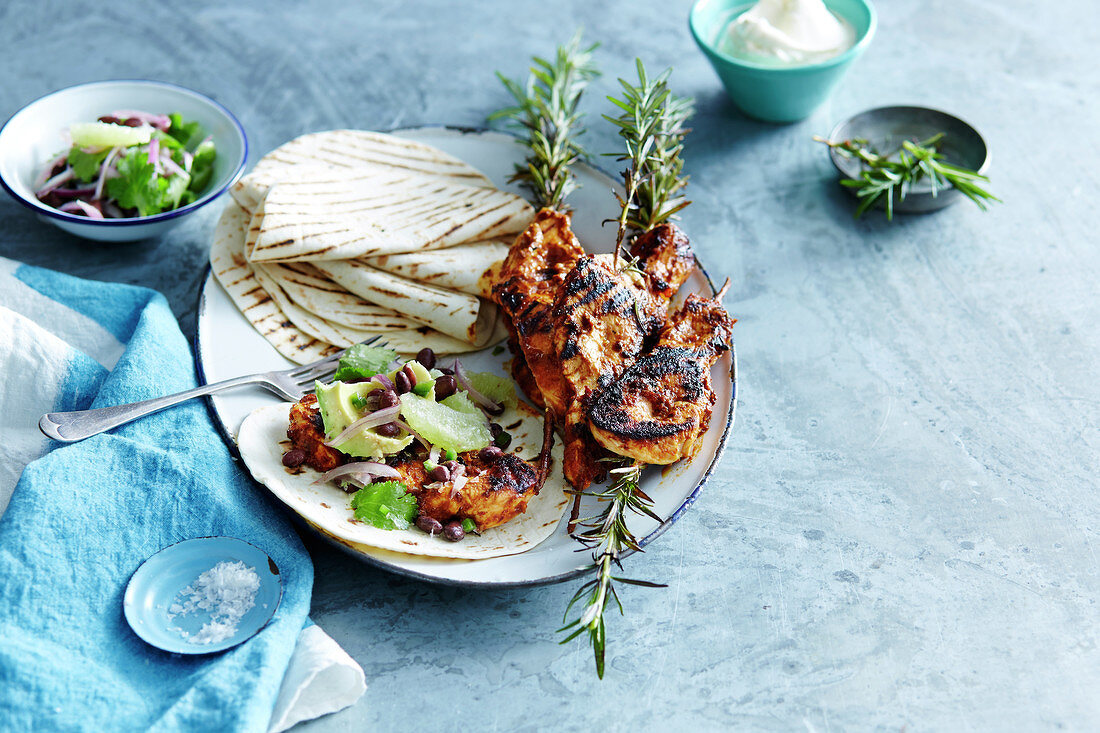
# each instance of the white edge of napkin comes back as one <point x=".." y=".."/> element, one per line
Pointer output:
<point x="320" y="679"/>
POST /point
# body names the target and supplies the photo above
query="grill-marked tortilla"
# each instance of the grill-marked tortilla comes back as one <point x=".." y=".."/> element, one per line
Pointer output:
<point x="469" y="268"/>
<point x="240" y="281"/>
<point x="262" y="442"/>
<point x="456" y="314"/>
<point x="228" y="263"/>
<point x="367" y="213"/>
<point x="352" y="149"/>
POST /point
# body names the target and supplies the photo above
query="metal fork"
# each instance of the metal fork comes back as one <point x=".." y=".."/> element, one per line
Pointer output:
<point x="290" y="384"/>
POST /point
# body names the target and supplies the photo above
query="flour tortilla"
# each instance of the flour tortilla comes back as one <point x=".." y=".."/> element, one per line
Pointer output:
<point x="262" y="442"/>
<point x="459" y="315"/>
<point x="406" y="341"/>
<point x="468" y="268"/>
<point x="231" y="269"/>
<point x="344" y="149"/>
<point x="361" y="214"/>
<point x="240" y="281"/>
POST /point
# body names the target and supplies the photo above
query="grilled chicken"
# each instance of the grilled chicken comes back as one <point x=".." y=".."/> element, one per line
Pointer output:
<point x="307" y="434"/>
<point x="493" y="493"/>
<point x="602" y="319"/>
<point x="658" y="409"/>
<point x="529" y="281"/>
<point x="665" y="255"/>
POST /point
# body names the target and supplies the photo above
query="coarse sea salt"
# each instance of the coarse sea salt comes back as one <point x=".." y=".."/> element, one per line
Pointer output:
<point x="227" y="592"/>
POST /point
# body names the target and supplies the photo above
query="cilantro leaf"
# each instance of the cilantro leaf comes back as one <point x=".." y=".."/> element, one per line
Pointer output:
<point x="188" y="133"/>
<point x="202" y="167"/>
<point x="363" y="362"/>
<point x="86" y="165"/>
<point x="138" y="186"/>
<point x="386" y="505"/>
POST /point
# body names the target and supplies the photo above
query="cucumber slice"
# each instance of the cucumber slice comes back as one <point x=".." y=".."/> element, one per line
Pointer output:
<point x="104" y="135"/>
<point x="444" y="426"/>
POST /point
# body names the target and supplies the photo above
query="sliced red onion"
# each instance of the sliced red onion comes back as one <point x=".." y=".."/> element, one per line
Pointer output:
<point x="405" y="426"/>
<point x="188" y="159"/>
<point x="62" y="177"/>
<point x="358" y="470"/>
<point x="171" y="166"/>
<point x="374" y="419"/>
<point x="458" y="480"/>
<point x="384" y="380"/>
<point x="490" y="406"/>
<point x="154" y="155"/>
<point x="69" y="207"/>
<point x="45" y="174"/>
<point x="90" y="211"/>
<point x="433" y="454"/>
<point x="161" y="122"/>
<point x="107" y="165"/>
<point x="72" y="193"/>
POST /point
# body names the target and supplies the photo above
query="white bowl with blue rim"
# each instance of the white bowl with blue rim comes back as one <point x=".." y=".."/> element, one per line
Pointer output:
<point x="157" y="589"/>
<point x="35" y="135"/>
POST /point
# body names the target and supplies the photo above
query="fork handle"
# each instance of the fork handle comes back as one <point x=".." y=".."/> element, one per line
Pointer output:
<point x="69" y="427"/>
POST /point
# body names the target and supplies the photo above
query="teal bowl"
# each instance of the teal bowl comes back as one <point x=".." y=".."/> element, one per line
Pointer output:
<point x="777" y="93"/>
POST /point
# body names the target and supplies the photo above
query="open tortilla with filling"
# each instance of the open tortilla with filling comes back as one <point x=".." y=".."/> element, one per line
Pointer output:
<point x="343" y="149"/>
<point x="262" y="442"/>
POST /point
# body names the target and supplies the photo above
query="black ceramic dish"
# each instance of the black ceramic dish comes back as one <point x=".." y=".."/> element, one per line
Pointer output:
<point x="885" y="128"/>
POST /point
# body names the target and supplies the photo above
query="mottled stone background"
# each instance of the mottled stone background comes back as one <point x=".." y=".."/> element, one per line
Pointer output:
<point x="902" y="533"/>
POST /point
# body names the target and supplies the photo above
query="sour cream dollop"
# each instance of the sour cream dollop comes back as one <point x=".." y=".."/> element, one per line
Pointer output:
<point x="787" y="33"/>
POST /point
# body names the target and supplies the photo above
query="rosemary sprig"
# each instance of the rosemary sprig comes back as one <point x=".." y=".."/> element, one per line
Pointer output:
<point x="607" y="536"/>
<point x="884" y="178"/>
<point x="651" y="126"/>
<point x="546" y="111"/>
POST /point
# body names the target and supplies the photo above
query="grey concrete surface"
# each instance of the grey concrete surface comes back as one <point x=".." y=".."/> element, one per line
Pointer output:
<point x="903" y="531"/>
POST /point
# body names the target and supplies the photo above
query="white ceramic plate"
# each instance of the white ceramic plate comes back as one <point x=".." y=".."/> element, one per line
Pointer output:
<point x="228" y="347"/>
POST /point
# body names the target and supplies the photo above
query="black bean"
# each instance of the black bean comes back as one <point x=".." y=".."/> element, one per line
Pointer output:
<point x="453" y="531"/>
<point x="426" y="357"/>
<point x="439" y="473"/>
<point x="407" y="370"/>
<point x="453" y="466"/>
<point x="110" y="120"/>
<point x="294" y="458"/>
<point x="388" y="430"/>
<point x="429" y="525"/>
<point x="444" y="370"/>
<point x="133" y="122"/>
<point x="445" y="386"/>
<point x="387" y="398"/>
<point x="495" y="429"/>
<point x="490" y="454"/>
<point x="402" y="383"/>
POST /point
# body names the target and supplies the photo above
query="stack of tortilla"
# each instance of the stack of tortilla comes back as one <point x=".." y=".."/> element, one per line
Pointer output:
<point x="336" y="237"/>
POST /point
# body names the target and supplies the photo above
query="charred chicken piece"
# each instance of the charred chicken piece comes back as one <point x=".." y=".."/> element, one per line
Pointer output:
<point x="528" y="284"/>
<point x="493" y="494"/>
<point x="659" y="408"/>
<point x="602" y="319"/>
<point x="307" y="434"/>
<point x="664" y="254"/>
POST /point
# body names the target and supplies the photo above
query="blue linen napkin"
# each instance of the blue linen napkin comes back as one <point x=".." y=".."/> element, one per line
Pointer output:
<point x="85" y="516"/>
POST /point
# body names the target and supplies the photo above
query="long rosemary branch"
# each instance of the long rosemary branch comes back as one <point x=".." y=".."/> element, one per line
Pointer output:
<point x="607" y="535"/>
<point x="651" y="126"/>
<point x="546" y="112"/>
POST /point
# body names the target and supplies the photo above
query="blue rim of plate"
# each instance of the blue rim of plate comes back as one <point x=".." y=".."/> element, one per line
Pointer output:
<point x="663" y="527"/>
<point x="195" y="650"/>
<point x="135" y="220"/>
